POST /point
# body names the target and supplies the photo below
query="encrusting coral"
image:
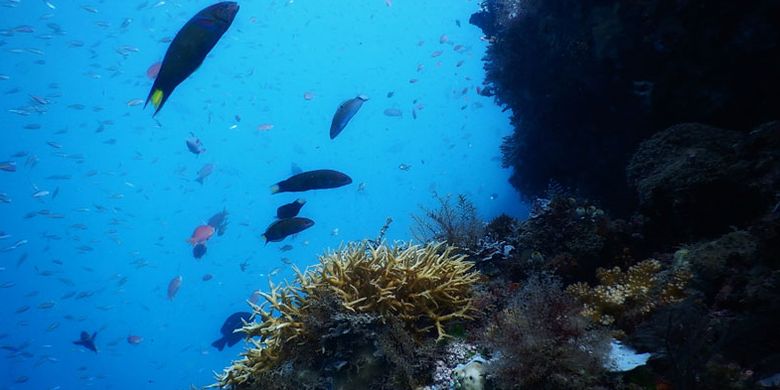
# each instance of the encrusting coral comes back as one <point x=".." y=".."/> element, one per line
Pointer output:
<point x="423" y="287"/>
<point x="630" y="294"/>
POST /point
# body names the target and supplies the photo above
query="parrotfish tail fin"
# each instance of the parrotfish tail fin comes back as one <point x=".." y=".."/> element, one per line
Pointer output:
<point x="219" y="344"/>
<point x="275" y="188"/>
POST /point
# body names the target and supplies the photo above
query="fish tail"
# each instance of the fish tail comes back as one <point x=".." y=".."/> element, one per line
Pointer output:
<point x="219" y="344"/>
<point x="275" y="188"/>
<point x="157" y="97"/>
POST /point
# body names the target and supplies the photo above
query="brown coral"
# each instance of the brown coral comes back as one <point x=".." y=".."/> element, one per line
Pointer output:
<point x="631" y="294"/>
<point x="424" y="287"/>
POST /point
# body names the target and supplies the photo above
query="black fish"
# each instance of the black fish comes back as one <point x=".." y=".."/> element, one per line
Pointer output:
<point x="219" y="222"/>
<point x="189" y="48"/>
<point x="231" y="324"/>
<point x="199" y="250"/>
<point x="344" y="113"/>
<point x="87" y="341"/>
<point x="282" y="228"/>
<point x="290" y="209"/>
<point x="312" y="180"/>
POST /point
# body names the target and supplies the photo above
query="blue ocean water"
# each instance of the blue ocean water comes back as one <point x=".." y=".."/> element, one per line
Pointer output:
<point x="95" y="216"/>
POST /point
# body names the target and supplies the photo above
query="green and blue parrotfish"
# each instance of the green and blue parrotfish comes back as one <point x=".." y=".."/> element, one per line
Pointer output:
<point x="189" y="48"/>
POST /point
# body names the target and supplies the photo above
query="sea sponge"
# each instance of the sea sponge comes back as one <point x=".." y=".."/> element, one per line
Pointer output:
<point x="423" y="287"/>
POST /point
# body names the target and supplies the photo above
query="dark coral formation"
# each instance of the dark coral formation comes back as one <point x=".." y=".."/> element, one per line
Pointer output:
<point x="695" y="181"/>
<point x="542" y="342"/>
<point x="588" y="80"/>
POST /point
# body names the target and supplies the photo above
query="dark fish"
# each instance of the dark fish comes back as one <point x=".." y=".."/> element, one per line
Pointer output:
<point x="290" y="209"/>
<point x="312" y="180"/>
<point x="219" y="222"/>
<point x="344" y="113"/>
<point x="199" y="250"/>
<point x="189" y="48"/>
<point x="194" y="145"/>
<point x="282" y="228"/>
<point x="206" y="277"/>
<point x="232" y="323"/>
<point x="87" y="341"/>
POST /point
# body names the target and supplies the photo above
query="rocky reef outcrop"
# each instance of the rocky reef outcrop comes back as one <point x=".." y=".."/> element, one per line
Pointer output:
<point x="588" y="80"/>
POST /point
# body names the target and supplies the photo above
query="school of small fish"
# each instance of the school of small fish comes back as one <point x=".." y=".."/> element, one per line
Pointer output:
<point x="85" y="224"/>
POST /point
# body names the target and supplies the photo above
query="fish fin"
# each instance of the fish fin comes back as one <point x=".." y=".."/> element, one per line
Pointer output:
<point x="219" y="344"/>
<point x="158" y="97"/>
<point x="275" y="189"/>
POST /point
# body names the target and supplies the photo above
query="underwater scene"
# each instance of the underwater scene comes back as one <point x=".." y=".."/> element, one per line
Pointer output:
<point x="390" y="194"/>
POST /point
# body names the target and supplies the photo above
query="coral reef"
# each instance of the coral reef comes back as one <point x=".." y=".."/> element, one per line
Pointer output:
<point x="566" y="235"/>
<point x="541" y="341"/>
<point x="588" y="80"/>
<point x="363" y="309"/>
<point x="687" y="174"/>
<point x="456" y="224"/>
<point x="627" y="296"/>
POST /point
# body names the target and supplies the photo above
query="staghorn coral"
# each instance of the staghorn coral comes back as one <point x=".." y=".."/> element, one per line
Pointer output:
<point x="371" y="288"/>
<point x="627" y="296"/>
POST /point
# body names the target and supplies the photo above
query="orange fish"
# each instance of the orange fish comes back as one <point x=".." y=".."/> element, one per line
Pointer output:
<point x="173" y="287"/>
<point x="201" y="234"/>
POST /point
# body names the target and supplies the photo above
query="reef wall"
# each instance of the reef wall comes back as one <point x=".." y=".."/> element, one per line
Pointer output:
<point x="587" y="80"/>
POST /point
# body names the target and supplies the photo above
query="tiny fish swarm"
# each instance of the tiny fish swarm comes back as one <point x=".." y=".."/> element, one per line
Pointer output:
<point x="423" y="286"/>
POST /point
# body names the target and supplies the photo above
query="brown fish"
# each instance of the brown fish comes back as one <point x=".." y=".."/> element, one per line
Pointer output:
<point x="173" y="287"/>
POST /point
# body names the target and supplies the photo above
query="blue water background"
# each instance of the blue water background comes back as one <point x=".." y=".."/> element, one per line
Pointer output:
<point x="132" y="182"/>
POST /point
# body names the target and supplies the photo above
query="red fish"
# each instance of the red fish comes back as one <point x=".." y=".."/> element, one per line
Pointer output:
<point x="173" y="287"/>
<point x="201" y="234"/>
<point x="134" y="340"/>
<point x="153" y="70"/>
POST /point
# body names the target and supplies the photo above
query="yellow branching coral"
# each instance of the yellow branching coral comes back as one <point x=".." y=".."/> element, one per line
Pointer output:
<point x="635" y="292"/>
<point x="423" y="286"/>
